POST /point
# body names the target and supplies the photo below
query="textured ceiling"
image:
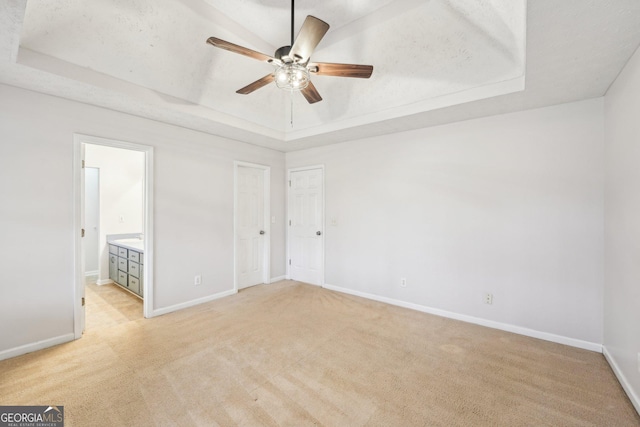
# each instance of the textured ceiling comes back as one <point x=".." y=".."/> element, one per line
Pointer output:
<point x="434" y="61"/>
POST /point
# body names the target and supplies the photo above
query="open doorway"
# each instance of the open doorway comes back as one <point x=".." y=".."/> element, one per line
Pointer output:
<point x="114" y="178"/>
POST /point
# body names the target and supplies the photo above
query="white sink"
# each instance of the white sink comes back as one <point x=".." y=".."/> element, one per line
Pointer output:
<point x="136" y="244"/>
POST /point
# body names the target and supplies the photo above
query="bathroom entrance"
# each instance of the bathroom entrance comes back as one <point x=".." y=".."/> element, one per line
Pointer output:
<point x="113" y="209"/>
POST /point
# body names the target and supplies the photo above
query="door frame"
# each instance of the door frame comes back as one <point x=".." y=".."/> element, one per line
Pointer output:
<point x="79" y="141"/>
<point x="324" y="220"/>
<point x="266" y="259"/>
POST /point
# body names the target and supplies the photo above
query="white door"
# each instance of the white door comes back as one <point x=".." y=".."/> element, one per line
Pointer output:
<point x="250" y="226"/>
<point x="306" y="215"/>
<point x="81" y="314"/>
<point x="91" y="220"/>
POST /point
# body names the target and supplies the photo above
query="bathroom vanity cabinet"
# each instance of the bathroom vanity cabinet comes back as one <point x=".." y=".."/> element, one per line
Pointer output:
<point x="126" y="259"/>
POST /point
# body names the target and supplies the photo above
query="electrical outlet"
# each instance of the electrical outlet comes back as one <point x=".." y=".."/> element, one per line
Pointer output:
<point x="197" y="280"/>
<point x="121" y="218"/>
<point x="488" y="298"/>
<point x="403" y="282"/>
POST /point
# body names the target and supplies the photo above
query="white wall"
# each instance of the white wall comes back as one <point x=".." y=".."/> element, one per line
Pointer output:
<point x="622" y="228"/>
<point x="121" y="194"/>
<point x="511" y="205"/>
<point x="193" y="209"/>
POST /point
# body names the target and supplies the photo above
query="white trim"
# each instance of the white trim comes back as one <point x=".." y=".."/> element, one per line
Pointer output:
<point x="266" y="259"/>
<point x="78" y="142"/>
<point x="516" y="84"/>
<point x="149" y="235"/>
<point x="586" y="345"/>
<point x="324" y="220"/>
<point x="79" y="280"/>
<point x="633" y="397"/>
<point x="91" y="273"/>
<point x="35" y="346"/>
<point x="183" y="305"/>
<point x="277" y="279"/>
<point x="104" y="282"/>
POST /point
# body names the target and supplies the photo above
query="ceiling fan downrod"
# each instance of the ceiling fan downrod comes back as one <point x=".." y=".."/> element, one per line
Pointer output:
<point x="292" y="21"/>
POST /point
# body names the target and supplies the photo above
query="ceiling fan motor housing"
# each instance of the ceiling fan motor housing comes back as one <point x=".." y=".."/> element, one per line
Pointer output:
<point x="283" y="54"/>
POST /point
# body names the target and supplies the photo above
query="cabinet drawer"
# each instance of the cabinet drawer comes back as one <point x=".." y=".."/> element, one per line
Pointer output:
<point x="134" y="269"/>
<point x="123" y="278"/>
<point x="135" y="256"/>
<point x="123" y="252"/>
<point x="134" y="285"/>
<point x="113" y="249"/>
<point x="123" y="264"/>
<point x="113" y="267"/>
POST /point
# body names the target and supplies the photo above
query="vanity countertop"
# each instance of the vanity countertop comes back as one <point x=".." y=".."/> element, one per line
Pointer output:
<point x="135" y="244"/>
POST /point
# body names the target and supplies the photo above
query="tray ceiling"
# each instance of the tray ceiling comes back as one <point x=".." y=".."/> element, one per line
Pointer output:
<point x="434" y="61"/>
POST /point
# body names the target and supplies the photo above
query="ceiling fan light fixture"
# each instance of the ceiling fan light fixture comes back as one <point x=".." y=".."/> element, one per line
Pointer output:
<point x="292" y="77"/>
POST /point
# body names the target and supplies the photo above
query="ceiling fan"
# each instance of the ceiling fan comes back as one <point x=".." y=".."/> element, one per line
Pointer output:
<point x="293" y="68"/>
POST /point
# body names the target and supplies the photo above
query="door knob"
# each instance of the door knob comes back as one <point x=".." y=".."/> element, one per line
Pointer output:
<point x="261" y="231"/>
<point x="318" y="233"/>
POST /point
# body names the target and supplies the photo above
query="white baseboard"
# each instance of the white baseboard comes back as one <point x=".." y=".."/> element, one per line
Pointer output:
<point x="35" y="346"/>
<point x="103" y="282"/>
<point x="633" y="397"/>
<point x="172" y="308"/>
<point x="91" y="273"/>
<point x="475" y="320"/>
<point x="277" y="279"/>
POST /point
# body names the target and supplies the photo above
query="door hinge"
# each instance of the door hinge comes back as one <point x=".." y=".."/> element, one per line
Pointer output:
<point x="289" y="183"/>
<point x="289" y="262"/>
<point x="83" y="164"/>
<point x="83" y="301"/>
<point x="82" y="233"/>
<point x="289" y="222"/>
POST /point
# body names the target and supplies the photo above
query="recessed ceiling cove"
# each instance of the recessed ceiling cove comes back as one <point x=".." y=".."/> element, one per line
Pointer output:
<point x="150" y="58"/>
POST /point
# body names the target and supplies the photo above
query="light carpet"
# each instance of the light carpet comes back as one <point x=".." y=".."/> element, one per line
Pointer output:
<point x="290" y="354"/>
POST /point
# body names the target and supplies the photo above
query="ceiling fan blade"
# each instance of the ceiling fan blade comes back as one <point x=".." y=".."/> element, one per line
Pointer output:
<point x="312" y="31"/>
<point x="341" y="70"/>
<point x="231" y="47"/>
<point x="257" y="84"/>
<point x="311" y="94"/>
